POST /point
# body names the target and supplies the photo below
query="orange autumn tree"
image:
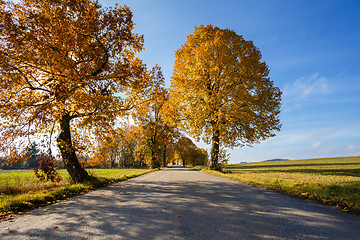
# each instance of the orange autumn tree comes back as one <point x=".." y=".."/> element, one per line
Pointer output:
<point x="188" y="153"/>
<point x="117" y="151"/>
<point x="221" y="91"/>
<point x="154" y="131"/>
<point x="68" y="69"/>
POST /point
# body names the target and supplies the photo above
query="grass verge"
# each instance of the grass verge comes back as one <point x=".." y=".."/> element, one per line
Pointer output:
<point x="22" y="191"/>
<point x="330" y="181"/>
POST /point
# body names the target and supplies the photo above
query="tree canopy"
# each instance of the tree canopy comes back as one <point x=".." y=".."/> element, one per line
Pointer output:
<point x="221" y="90"/>
<point x="154" y="130"/>
<point x="68" y="69"/>
<point x="185" y="151"/>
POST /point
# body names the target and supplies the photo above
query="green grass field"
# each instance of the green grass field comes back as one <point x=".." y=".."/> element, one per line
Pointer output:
<point x="21" y="190"/>
<point x="332" y="181"/>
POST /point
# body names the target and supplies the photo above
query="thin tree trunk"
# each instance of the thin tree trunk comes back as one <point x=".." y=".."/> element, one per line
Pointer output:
<point x="71" y="162"/>
<point x="164" y="156"/>
<point x="214" y="158"/>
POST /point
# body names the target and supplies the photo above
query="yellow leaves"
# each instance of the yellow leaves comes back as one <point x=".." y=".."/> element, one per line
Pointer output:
<point x="67" y="57"/>
<point x="220" y="82"/>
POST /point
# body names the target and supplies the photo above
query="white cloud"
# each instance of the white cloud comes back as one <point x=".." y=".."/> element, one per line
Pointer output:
<point x="305" y="88"/>
<point x="311" y="85"/>
<point x="316" y="145"/>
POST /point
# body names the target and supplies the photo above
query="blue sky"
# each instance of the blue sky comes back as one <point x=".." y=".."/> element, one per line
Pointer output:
<point x="311" y="47"/>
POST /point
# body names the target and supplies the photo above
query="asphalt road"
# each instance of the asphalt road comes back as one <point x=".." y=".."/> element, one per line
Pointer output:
<point x="179" y="203"/>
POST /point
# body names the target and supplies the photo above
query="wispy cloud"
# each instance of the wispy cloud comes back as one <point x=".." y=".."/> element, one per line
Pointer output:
<point x="316" y="145"/>
<point x="312" y="85"/>
<point x="305" y="88"/>
<point x="324" y="133"/>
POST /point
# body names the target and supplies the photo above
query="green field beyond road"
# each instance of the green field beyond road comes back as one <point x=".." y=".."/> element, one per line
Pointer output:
<point x="332" y="181"/>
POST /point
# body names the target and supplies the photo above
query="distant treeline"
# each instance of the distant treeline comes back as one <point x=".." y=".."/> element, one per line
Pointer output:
<point x="276" y="160"/>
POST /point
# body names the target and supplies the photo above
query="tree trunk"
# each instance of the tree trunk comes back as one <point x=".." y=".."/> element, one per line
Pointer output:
<point x="71" y="162"/>
<point x="164" y="156"/>
<point x="214" y="158"/>
<point x="154" y="163"/>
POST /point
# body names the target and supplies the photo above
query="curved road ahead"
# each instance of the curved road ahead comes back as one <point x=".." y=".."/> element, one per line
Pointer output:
<point x="178" y="203"/>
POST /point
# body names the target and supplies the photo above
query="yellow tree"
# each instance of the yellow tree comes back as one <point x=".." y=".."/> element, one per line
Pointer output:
<point x="117" y="150"/>
<point x="187" y="152"/>
<point x="126" y="146"/>
<point x="150" y="117"/>
<point x="221" y="91"/>
<point x="65" y="67"/>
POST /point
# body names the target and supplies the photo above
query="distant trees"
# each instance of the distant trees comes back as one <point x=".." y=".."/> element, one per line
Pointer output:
<point x="118" y="151"/>
<point x="221" y="92"/>
<point x="31" y="158"/>
<point x="186" y="152"/>
<point x="145" y="143"/>
<point x="154" y="131"/>
<point x="136" y="148"/>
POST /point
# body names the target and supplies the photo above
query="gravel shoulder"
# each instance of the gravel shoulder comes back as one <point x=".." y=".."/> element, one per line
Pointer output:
<point x="178" y="203"/>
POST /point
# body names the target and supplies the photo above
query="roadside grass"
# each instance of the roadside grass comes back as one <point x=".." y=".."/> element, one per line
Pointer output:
<point x="330" y="181"/>
<point x="21" y="191"/>
<point x="17" y="182"/>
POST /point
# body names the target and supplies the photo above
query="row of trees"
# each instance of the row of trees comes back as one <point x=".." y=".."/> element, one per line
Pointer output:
<point x="69" y="72"/>
<point x="122" y="151"/>
<point x="133" y="150"/>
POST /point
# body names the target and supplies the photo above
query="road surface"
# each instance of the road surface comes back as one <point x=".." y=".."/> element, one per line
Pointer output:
<point x="178" y="203"/>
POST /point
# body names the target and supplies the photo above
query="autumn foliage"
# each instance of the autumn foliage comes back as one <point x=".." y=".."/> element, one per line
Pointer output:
<point x="221" y="92"/>
<point x="66" y="67"/>
<point x="69" y="74"/>
<point x="146" y="142"/>
<point x="185" y="152"/>
<point x="117" y="151"/>
<point x="48" y="167"/>
<point x="155" y="132"/>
